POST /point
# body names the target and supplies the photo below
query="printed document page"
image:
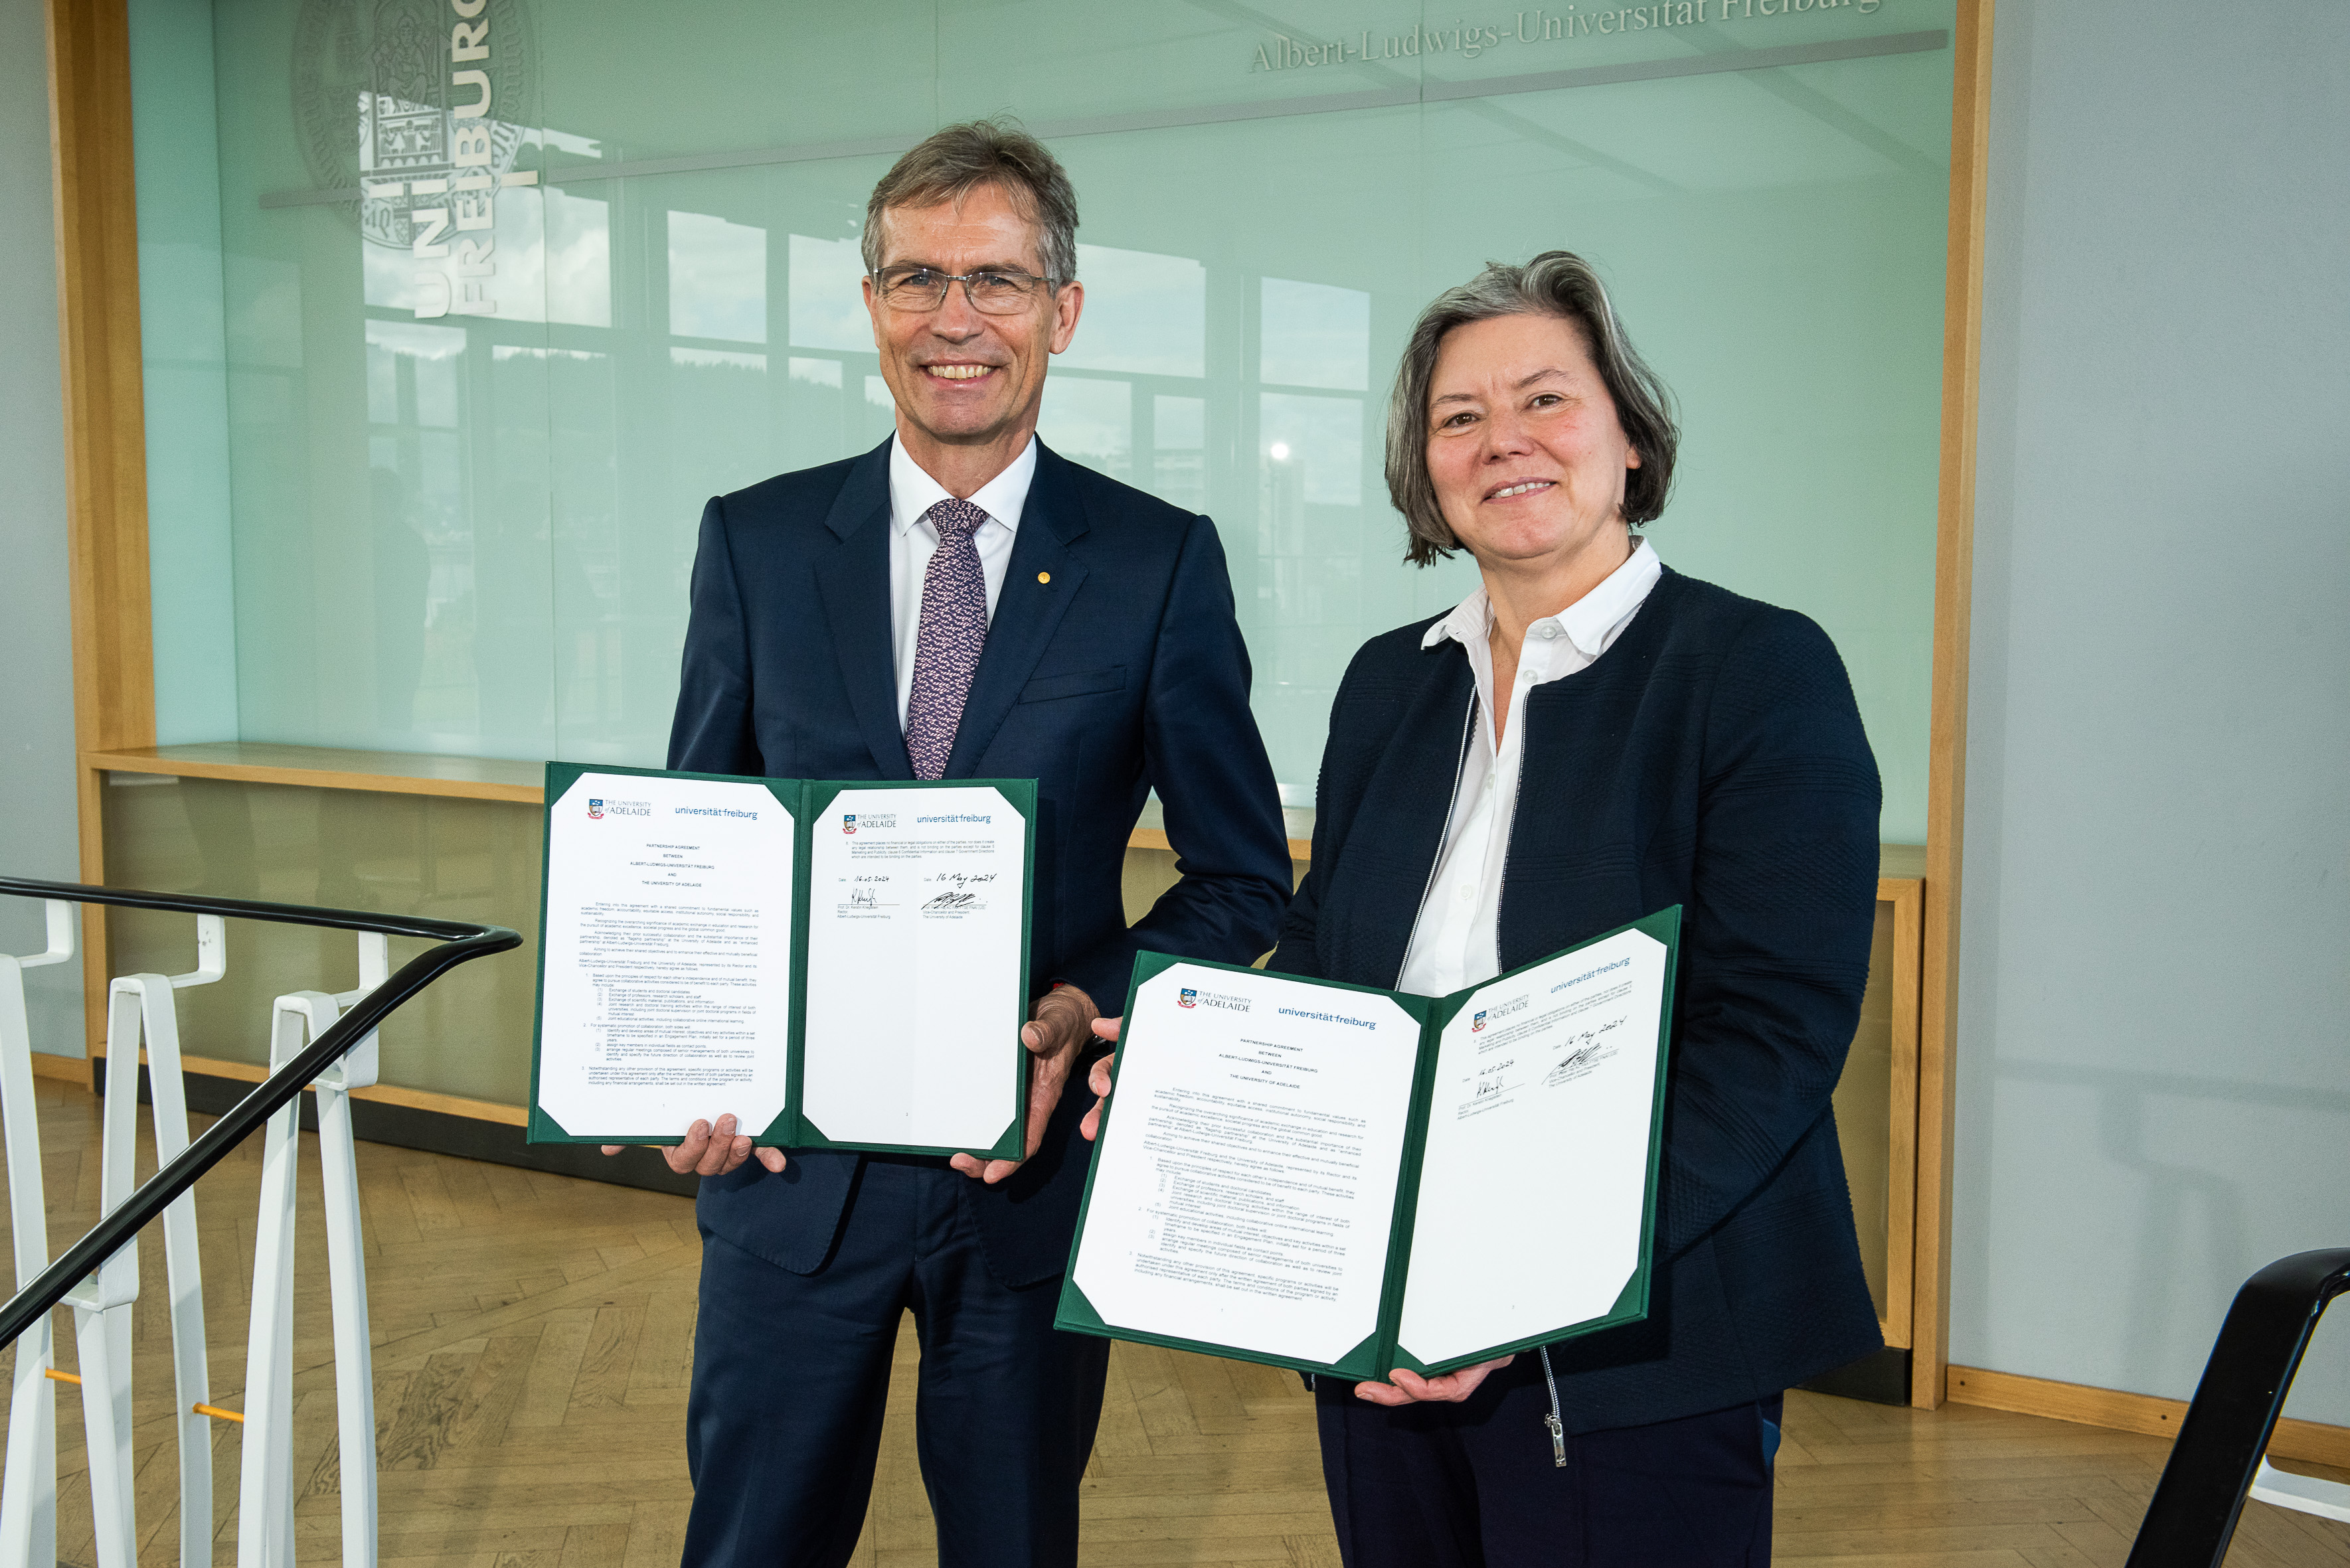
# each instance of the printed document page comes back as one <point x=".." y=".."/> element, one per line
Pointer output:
<point x="669" y="956"/>
<point x="916" y="905"/>
<point x="1534" y="1179"/>
<point x="1245" y="1194"/>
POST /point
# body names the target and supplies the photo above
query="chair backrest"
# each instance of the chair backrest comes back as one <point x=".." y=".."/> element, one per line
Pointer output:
<point x="2225" y="1435"/>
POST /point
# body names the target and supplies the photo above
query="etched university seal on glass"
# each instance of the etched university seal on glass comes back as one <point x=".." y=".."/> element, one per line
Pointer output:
<point x="417" y="108"/>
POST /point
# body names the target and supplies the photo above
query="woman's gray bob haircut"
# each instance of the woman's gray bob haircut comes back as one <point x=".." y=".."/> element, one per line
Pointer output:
<point x="1555" y="282"/>
<point x="948" y="164"/>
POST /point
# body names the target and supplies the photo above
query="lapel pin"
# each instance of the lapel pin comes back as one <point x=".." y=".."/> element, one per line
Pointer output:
<point x="1044" y="577"/>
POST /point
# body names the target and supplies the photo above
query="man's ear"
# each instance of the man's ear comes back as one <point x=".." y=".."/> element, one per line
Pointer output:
<point x="1067" y="305"/>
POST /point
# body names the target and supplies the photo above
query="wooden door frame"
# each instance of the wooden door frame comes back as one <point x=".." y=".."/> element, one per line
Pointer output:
<point x="1946" y="769"/>
<point x="95" y="190"/>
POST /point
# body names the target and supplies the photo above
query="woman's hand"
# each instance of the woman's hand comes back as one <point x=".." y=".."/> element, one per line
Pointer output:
<point x="1411" y="1388"/>
<point x="1098" y="1079"/>
<point x="712" y="1148"/>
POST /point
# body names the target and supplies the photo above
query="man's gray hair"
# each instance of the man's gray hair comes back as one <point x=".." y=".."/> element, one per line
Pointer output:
<point x="950" y="164"/>
<point x="1555" y="282"/>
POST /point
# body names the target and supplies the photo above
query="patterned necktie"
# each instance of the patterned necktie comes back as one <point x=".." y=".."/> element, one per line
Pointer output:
<point x="946" y="646"/>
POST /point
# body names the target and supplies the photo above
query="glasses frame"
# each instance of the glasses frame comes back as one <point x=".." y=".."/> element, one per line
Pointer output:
<point x="879" y="277"/>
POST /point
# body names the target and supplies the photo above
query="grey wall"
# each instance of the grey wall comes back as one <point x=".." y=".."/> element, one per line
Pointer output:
<point x="37" y="739"/>
<point x="2155" y="981"/>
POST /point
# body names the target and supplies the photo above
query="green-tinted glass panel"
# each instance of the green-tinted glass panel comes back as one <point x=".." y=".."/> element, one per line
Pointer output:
<point x="470" y="530"/>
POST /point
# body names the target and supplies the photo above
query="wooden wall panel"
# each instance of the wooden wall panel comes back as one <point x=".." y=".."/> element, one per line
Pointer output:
<point x="104" y="419"/>
<point x="2308" y="1441"/>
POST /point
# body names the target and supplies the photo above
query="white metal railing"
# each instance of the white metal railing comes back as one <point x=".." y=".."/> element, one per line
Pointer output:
<point x="313" y="1045"/>
<point x="144" y="1009"/>
<point x="28" y="1487"/>
<point x="265" y="1492"/>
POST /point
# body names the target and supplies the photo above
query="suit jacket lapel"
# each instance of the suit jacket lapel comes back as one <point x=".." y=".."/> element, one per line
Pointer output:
<point x="1041" y="579"/>
<point x="854" y="580"/>
<point x="1400" y="824"/>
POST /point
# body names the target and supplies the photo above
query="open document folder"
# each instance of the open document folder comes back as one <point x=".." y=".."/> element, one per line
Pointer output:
<point x="1345" y="1180"/>
<point x="839" y="965"/>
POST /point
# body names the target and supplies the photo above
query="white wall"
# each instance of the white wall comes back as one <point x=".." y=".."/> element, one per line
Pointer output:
<point x="37" y="739"/>
<point x="2155" y="985"/>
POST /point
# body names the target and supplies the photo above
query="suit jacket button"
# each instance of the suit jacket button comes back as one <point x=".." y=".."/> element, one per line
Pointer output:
<point x="1044" y="577"/>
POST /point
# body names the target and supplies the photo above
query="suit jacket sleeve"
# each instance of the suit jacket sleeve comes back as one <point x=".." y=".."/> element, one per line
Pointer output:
<point x="1203" y="752"/>
<point x="1782" y="904"/>
<point x="713" y="731"/>
<point x="1294" y="954"/>
<point x="1299" y="951"/>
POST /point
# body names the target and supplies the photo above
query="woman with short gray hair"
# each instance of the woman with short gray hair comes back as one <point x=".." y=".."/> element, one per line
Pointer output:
<point x="1587" y="739"/>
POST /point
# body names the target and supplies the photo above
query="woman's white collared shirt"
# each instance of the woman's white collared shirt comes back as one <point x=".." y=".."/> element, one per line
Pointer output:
<point x="1456" y="940"/>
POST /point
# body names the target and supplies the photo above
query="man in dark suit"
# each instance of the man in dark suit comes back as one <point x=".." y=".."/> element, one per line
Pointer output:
<point x="958" y="603"/>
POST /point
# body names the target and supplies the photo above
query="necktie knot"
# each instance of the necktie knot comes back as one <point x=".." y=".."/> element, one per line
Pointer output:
<point x="953" y="517"/>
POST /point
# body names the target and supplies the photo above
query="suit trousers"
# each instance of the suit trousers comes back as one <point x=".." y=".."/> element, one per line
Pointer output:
<point x="791" y="1373"/>
<point x="1479" y="1484"/>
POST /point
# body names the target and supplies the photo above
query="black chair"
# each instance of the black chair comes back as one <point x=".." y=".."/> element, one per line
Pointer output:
<point x="2221" y="1444"/>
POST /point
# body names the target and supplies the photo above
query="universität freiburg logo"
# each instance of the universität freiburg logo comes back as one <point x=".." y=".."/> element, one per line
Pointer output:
<point x="389" y="91"/>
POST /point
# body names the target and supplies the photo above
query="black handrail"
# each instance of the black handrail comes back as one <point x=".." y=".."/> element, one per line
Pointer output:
<point x="460" y="942"/>
<point x="2221" y="1442"/>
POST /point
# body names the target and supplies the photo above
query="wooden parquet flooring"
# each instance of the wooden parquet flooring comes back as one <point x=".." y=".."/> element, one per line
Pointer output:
<point x="532" y="1336"/>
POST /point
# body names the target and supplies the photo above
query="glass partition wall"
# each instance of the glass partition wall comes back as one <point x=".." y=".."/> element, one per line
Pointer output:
<point x="455" y="312"/>
<point x="494" y="327"/>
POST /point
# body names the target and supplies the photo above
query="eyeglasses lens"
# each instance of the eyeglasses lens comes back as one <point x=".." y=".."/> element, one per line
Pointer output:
<point x="923" y="288"/>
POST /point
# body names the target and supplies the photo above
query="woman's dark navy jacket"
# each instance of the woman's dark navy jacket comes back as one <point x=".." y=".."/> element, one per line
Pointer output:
<point x="1711" y="758"/>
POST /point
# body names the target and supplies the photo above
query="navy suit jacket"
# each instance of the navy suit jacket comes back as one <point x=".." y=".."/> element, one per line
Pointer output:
<point x="1113" y="665"/>
<point x="1712" y="758"/>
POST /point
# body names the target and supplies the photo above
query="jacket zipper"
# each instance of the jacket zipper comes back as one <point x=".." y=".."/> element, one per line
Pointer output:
<point x="1555" y="1421"/>
<point x="1557" y="1426"/>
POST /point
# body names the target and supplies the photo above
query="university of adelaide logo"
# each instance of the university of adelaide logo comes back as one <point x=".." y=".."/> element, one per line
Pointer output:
<point x="595" y="809"/>
<point x="848" y="822"/>
<point x="1476" y="1024"/>
<point x="1188" y="999"/>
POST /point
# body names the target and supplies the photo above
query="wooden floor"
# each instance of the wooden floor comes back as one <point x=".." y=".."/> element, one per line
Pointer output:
<point x="533" y="1335"/>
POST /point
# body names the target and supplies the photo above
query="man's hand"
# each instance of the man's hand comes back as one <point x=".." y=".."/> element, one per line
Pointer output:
<point x="1098" y="1079"/>
<point x="1410" y="1387"/>
<point x="711" y="1151"/>
<point x="1057" y="1030"/>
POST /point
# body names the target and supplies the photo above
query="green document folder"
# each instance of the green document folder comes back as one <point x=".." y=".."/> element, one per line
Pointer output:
<point x="1345" y="1181"/>
<point x="847" y="959"/>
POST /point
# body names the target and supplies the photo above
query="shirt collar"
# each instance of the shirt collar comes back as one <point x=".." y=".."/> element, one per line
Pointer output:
<point x="1472" y="620"/>
<point x="1587" y="622"/>
<point x="912" y="491"/>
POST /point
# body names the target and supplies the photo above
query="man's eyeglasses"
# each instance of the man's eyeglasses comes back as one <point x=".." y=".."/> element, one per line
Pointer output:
<point x="991" y="293"/>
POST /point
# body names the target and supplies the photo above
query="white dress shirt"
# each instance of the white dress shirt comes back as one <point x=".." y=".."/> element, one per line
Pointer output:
<point x="1455" y="942"/>
<point x="913" y="541"/>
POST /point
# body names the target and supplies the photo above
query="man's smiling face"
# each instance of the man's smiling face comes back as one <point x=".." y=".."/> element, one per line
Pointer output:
<point x="962" y="377"/>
